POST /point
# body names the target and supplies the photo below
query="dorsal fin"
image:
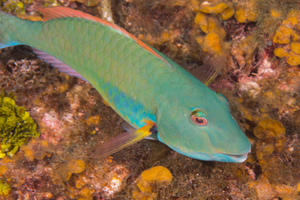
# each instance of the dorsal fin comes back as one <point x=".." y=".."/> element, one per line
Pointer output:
<point x="207" y="72"/>
<point x="59" y="12"/>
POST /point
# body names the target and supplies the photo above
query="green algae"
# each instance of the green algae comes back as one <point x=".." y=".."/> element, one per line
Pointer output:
<point x="4" y="188"/>
<point x="16" y="126"/>
<point x="15" y="6"/>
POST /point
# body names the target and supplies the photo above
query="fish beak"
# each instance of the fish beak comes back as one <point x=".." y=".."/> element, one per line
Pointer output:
<point x="239" y="158"/>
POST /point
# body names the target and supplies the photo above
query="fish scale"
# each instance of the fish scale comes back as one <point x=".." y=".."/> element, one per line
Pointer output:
<point x="147" y="89"/>
<point x="107" y="73"/>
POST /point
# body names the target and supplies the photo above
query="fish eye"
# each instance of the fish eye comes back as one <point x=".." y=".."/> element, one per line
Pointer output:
<point x="199" y="118"/>
<point x="222" y="96"/>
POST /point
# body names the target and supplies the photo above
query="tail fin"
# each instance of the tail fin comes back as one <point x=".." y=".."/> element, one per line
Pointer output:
<point x="6" y="20"/>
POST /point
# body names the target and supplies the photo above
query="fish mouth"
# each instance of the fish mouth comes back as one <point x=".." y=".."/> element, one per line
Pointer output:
<point x="238" y="158"/>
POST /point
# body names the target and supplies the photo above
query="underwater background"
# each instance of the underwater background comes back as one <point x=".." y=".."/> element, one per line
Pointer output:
<point x="64" y="118"/>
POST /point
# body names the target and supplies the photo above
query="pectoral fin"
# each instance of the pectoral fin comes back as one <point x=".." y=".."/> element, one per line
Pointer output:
<point x="124" y="140"/>
<point x="128" y="127"/>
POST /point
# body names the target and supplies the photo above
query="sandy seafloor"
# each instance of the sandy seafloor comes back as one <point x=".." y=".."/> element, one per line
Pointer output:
<point x="261" y="81"/>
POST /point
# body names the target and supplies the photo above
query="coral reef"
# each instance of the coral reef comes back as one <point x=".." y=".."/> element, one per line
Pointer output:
<point x="260" y="80"/>
<point x="213" y="42"/>
<point x="287" y="35"/>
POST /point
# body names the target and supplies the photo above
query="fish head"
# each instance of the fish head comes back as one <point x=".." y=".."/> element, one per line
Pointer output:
<point x="201" y="127"/>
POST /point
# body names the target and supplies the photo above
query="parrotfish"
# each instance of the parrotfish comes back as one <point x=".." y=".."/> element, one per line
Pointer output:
<point x="154" y="95"/>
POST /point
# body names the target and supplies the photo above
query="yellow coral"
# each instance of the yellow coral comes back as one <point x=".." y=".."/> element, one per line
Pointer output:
<point x="210" y="43"/>
<point x="73" y="166"/>
<point x="295" y="37"/>
<point x="227" y="13"/>
<point x="6" y="160"/>
<point x="201" y="20"/>
<point x="213" y="41"/>
<point x="263" y="149"/>
<point x="286" y="34"/>
<point x="207" y="8"/>
<point x="283" y="35"/>
<point x="295" y="47"/>
<point x="86" y="192"/>
<point x="293" y="59"/>
<point x="147" y="180"/>
<point x="194" y="5"/>
<point x="81" y="181"/>
<point x="280" y="144"/>
<point x="265" y="190"/>
<point x="280" y="52"/>
<point x="35" y="149"/>
<point x="247" y="13"/>
<point x="269" y="128"/>
<point x="294" y="17"/>
<point x="240" y="15"/>
<point x="93" y="120"/>
<point x="209" y="24"/>
<point x="276" y="13"/>
<point x="156" y="174"/>
<point x="76" y="166"/>
<point x="248" y="114"/>
<point x="62" y="88"/>
<point x="288" y="192"/>
<point x="213" y="25"/>
<point x="165" y="36"/>
<point x="71" y="192"/>
<point x="292" y="20"/>
<point x="3" y="169"/>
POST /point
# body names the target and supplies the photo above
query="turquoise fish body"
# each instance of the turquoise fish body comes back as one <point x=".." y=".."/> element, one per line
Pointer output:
<point x="138" y="84"/>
